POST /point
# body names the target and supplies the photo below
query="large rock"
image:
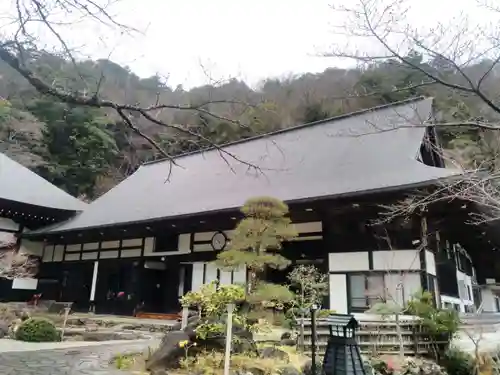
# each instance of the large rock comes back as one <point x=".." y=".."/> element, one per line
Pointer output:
<point x="192" y="322"/>
<point x="256" y="371"/>
<point x="273" y="352"/>
<point x="308" y="370"/>
<point x="289" y="370"/>
<point x="4" y="329"/>
<point x="169" y="352"/>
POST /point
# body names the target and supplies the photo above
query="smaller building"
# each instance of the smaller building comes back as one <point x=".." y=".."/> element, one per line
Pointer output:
<point x="28" y="202"/>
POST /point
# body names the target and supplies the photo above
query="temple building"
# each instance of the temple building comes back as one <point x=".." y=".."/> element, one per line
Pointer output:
<point x="27" y="202"/>
<point x="155" y="235"/>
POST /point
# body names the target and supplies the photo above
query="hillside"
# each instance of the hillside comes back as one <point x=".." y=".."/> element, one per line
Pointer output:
<point x="86" y="151"/>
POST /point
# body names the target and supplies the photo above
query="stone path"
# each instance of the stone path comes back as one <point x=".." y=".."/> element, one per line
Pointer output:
<point x="84" y="360"/>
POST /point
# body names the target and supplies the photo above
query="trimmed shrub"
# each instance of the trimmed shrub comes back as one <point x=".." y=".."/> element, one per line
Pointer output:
<point x="37" y="330"/>
<point x="457" y="362"/>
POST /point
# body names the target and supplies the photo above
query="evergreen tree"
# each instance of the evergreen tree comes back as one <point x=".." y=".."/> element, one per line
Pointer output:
<point x="257" y="239"/>
<point x="78" y="147"/>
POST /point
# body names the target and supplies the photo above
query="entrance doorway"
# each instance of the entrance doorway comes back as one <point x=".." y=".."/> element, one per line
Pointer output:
<point x="75" y="285"/>
<point x="117" y="287"/>
<point x="159" y="291"/>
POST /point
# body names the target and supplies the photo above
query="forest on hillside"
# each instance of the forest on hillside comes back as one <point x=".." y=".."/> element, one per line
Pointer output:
<point x="85" y="125"/>
<point x="86" y="151"/>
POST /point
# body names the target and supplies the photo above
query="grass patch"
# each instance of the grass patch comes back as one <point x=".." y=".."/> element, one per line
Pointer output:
<point x="133" y="362"/>
<point x="212" y="362"/>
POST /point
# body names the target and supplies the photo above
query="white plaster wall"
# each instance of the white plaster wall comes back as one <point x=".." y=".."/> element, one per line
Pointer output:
<point x="452" y="300"/>
<point x="430" y="262"/>
<point x="58" y="253"/>
<point x="338" y="293"/>
<point x="48" y="253"/>
<point x="210" y="273"/>
<point x="197" y="278"/>
<point x="396" y="260"/>
<point x="89" y="255"/>
<point x="129" y="253"/>
<point x="110" y="244"/>
<point x="25" y="283"/>
<point x="345" y="262"/>
<point x="240" y="276"/>
<point x="73" y="248"/>
<point x="112" y="254"/>
<point x="72" y="256"/>
<point x="311" y="227"/>
<point x="91" y="246"/>
<point x="488" y="299"/>
<point x="133" y="242"/>
<point x="468" y="285"/>
<point x="182" y="279"/>
<point x="95" y="274"/>
<point x="8" y="224"/>
<point x="32" y="248"/>
<point x="402" y="287"/>
<point x="225" y="277"/>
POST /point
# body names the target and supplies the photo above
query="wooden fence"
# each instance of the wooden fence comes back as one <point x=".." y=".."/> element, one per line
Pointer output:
<point x="377" y="336"/>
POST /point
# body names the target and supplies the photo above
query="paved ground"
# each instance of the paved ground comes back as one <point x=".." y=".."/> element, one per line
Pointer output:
<point x="83" y="360"/>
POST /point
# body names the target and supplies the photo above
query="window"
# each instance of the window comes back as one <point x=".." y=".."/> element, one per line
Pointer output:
<point x="166" y="242"/>
<point x="365" y="291"/>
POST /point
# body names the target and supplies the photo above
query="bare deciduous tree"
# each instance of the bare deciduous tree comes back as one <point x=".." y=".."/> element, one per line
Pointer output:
<point x="457" y="62"/>
<point x="13" y="263"/>
<point x="459" y="58"/>
<point x="35" y="21"/>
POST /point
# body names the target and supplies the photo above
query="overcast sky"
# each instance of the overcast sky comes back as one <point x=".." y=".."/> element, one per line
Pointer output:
<point x="195" y="41"/>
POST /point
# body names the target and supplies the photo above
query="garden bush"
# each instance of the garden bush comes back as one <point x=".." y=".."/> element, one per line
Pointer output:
<point x="212" y="363"/>
<point x="457" y="362"/>
<point x="37" y="330"/>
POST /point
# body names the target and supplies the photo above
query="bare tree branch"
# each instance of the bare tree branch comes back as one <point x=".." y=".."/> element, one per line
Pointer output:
<point x="37" y="11"/>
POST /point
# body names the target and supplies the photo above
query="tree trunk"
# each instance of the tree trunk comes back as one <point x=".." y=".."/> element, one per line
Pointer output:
<point x="252" y="281"/>
<point x="400" y="338"/>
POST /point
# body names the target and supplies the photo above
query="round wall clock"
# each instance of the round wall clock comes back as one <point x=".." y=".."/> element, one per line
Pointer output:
<point x="219" y="241"/>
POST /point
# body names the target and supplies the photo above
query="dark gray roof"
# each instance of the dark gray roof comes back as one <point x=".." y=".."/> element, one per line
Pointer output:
<point x="368" y="150"/>
<point x="19" y="184"/>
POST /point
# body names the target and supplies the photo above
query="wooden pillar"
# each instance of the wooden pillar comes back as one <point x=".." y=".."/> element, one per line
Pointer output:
<point x="424" y="245"/>
<point x="93" y="286"/>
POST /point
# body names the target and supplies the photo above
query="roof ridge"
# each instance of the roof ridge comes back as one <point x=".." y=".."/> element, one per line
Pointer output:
<point x="293" y="128"/>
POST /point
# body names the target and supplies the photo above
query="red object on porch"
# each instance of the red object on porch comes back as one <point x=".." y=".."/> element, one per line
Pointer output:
<point x="34" y="299"/>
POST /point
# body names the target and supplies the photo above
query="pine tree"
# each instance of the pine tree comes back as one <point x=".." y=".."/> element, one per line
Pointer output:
<point x="257" y="238"/>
